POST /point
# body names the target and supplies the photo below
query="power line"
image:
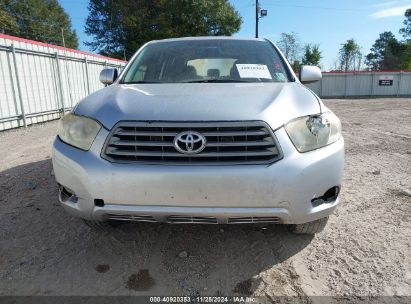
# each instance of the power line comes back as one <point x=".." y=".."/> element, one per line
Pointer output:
<point x="317" y="7"/>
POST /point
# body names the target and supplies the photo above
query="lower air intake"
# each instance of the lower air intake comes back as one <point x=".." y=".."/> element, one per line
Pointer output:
<point x="176" y="219"/>
<point x="244" y="220"/>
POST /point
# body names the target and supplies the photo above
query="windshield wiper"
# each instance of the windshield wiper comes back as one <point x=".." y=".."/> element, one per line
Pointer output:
<point x="215" y="81"/>
<point x="137" y="82"/>
<point x="196" y="81"/>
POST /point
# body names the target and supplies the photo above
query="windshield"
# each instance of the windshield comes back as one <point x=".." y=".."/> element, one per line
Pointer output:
<point x="219" y="60"/>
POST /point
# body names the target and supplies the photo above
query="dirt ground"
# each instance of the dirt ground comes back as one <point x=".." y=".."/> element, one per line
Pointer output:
<point x="364" y="250"/>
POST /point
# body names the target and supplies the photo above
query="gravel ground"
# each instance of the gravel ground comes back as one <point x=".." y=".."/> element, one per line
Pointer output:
<point x="364" y="250"/>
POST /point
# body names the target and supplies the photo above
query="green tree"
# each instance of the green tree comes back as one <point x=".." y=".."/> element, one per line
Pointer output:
<point x="41" y="20"/>
<point x="406" y="57"/>
<point x="290" y="46"/>
<point x="7" y="22"/>
<point x="312" y="55"/>
<point x="406" y="31"/>
<point x="387" y="53"/>
<point x="296" y="66"/>
<point x="120" y="27"/>
<point x="350" y="56"/>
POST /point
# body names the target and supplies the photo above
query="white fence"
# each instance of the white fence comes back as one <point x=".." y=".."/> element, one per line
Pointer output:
<point x="39" y="82"/>
<point x="364" y="84"/>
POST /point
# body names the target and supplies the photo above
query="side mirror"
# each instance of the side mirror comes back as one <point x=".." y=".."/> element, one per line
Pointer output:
<point x="108" y="76"/>
<point x="310" y="73"/>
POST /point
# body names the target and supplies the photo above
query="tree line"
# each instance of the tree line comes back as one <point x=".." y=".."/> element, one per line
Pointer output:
<point x="387" y="53"/>
<point x="118" y="28"/>
<point x="298" y="54"/>
<point x="41" y="20"/>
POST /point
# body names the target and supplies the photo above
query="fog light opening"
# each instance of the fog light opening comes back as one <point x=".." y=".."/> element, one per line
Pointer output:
<point x="329" y="196"/>
<point x="99" y="202"/>
<point x="67" y="194"/>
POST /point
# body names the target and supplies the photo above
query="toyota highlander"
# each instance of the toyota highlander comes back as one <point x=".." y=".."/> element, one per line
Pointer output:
<point x="213" y="130"/>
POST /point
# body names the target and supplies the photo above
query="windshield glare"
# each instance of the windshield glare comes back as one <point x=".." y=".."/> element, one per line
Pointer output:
<point x="220" y="60"/>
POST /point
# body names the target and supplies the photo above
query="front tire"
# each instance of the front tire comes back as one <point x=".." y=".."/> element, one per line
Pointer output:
<point x="310" y="227"/>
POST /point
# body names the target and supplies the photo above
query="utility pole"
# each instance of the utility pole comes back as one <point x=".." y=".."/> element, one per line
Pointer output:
<point x="67" y="71"/>
<point x="62" y="38"/>
<point x="258" y="14"/>
<point x="256" y="18"/>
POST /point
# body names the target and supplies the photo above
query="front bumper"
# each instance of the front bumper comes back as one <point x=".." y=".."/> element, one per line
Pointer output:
<point x="281" y="191"/>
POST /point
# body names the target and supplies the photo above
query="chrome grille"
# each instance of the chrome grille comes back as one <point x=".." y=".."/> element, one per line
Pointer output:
<point x="249" y="142"/>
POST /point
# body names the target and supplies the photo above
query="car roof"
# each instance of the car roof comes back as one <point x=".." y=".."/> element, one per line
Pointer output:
<point x="207" y="38"/>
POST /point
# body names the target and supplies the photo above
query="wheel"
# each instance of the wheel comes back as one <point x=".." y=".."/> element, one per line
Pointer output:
<point x="310" y="227"/>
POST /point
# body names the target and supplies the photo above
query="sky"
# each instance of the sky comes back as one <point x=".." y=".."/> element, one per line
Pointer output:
<point x="328" y="23"/>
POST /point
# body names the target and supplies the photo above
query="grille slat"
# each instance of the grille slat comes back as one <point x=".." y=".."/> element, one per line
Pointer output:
<point x="170" y="144"/>
<point x="172" y="134"/>
<point x="176" y="219"/>
<point x="134" y="218"/>
<point x="240" y="144"/>
<point x="241" y="133"/>
<point x="145" y="133"/>
<point x="114" y="151"/>
<point x="142" y="143"/>
<point x="244" y="142"/>
<point x="242" y="220"/>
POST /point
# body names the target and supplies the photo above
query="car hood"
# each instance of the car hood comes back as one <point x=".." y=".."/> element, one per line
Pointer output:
<point x="275" y="103"/>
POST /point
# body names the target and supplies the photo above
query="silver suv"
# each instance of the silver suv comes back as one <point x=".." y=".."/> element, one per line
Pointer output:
<point x="202" y="130"/>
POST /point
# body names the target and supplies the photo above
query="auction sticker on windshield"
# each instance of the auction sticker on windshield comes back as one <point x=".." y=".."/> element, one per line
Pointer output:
<point x="253" y="71"/>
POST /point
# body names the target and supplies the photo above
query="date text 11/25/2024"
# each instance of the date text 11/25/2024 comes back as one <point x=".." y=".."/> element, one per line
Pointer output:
<point x="204" y="299"/>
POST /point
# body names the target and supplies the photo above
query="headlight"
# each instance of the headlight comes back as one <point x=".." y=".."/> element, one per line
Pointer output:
<point x="315" y="131"/>
<point x="78" y="131"/>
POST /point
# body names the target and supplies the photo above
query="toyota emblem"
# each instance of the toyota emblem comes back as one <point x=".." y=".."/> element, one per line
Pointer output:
<point x="189" y="142"/>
